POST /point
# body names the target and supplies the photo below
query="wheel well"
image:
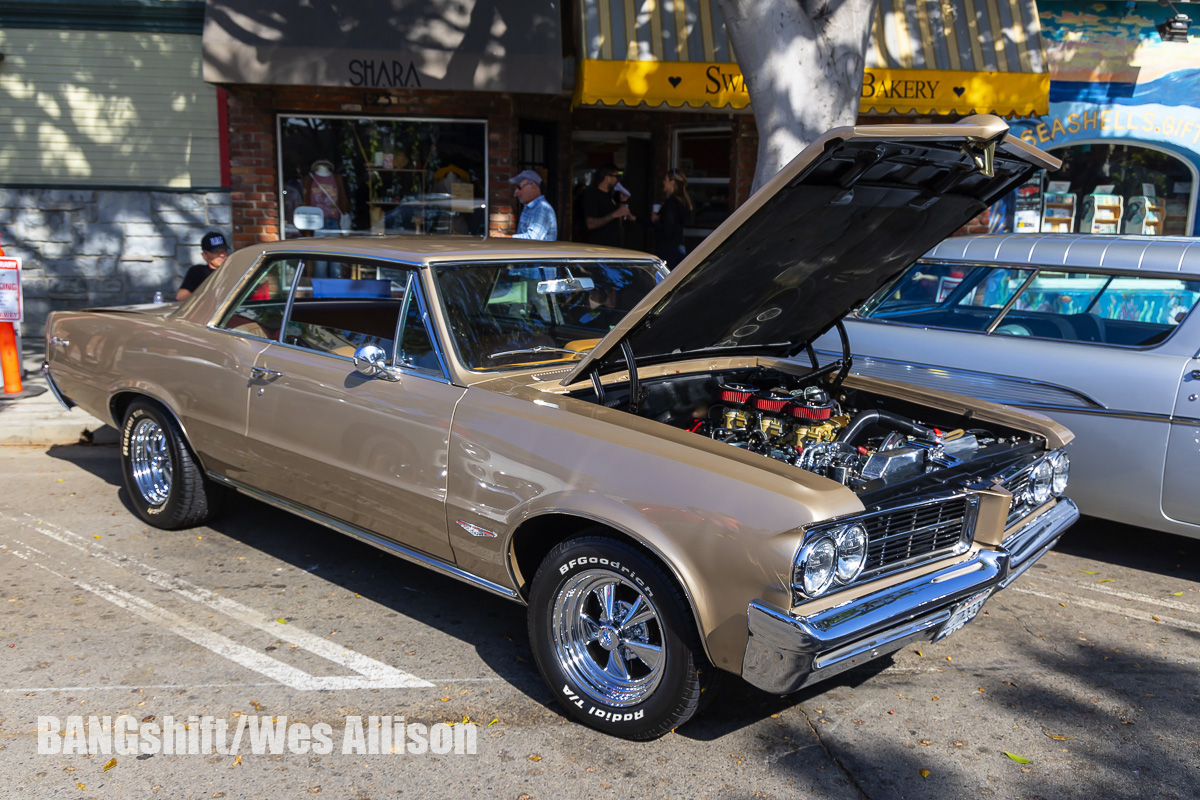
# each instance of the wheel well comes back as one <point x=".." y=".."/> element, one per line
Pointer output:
<point x="119" y="403"/>
<point x="534" y="539"/>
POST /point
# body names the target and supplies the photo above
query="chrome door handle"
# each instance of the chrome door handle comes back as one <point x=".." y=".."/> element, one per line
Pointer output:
<point x="266" y="374"/>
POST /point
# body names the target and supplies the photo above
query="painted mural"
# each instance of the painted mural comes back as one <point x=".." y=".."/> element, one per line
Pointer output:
<point x="1111" y="52"/>
<point x="1125" y="118"/>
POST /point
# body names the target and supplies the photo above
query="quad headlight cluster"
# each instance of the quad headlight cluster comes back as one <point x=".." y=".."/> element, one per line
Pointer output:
<point x="1048" y="479"/>
<point x="831" y="558"/>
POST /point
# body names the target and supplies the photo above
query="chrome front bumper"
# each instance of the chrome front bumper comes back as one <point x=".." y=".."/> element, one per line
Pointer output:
<point x="787" y="650"/>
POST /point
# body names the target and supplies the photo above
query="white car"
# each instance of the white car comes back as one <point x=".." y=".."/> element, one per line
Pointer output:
<point x="1097" y="332"/>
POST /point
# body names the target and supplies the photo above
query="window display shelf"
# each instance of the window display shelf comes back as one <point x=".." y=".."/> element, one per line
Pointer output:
<point x="1058" y="213"/>
<point x="1145" y="216"/>
<point x="1102" y="213"/>
<point x="1175" y="218"/>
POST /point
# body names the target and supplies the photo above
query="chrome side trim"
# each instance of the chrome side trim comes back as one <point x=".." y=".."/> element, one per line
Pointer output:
<point x="54" y="390"/>
<point x="862" y="362"/>
<point x="408" y="554"/>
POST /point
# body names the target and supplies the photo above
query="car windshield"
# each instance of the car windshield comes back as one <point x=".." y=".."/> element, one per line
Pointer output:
<point x="513" y="315"/>
<point x="1132" y="310"/>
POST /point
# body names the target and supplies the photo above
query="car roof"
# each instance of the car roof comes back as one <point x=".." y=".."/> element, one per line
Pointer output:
<point x="438" y="249"/>
<point x="1157" y="254"/>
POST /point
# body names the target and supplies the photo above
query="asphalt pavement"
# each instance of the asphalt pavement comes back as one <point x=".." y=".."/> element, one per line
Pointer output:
<point x="1081" y="680"/>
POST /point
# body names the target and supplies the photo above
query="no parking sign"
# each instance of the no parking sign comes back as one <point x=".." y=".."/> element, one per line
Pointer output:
<point x="10" y="290"/>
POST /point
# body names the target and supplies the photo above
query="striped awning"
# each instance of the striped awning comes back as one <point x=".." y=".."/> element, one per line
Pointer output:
<point x="925" y="57"/>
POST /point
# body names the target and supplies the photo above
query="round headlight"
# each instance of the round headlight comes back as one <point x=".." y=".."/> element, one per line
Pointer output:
<point x="851" y="552"/>
<point x="1040" y="482"/>
<point x="1060" y="465"/>
<point x="817" y="565"/>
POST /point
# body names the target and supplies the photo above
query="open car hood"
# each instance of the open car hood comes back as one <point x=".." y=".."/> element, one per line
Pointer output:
<point x="843" y="218"/>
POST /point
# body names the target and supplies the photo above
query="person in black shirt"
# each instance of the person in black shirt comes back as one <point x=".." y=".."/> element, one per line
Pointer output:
<point x="671" y="218"/>
<point x="603" y="214"/>
<point x="214" y="249"/>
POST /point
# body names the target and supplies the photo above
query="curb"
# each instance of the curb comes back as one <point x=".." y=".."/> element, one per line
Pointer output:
<point x="35" y="418"/>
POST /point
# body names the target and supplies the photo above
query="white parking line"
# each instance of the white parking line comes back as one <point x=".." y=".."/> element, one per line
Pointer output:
<point x="1124" y="611"/>
<point x="372" y="674"/>
<point x="1174" y="605"/>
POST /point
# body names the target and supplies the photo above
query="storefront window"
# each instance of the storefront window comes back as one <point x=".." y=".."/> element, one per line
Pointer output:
<point x="703" y="155"/>
<point x="1105" y="189"/>
<point x="385" y="175"/>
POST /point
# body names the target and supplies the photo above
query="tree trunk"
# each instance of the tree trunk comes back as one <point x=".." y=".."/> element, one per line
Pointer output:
<point x="803" y="65"/>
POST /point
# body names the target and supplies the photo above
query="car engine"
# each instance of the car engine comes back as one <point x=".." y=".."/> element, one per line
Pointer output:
<point x="806" y="427"/>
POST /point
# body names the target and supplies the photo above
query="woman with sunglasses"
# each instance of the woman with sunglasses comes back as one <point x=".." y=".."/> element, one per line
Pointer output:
<point x="670" y="219"/>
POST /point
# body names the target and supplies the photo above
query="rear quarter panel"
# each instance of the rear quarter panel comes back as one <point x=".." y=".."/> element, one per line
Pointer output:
<point x="200" y="375"/>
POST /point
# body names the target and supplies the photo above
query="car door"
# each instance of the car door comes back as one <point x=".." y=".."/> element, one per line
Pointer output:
<point x="1180" y="500"/>
<point x="367" y="451"/>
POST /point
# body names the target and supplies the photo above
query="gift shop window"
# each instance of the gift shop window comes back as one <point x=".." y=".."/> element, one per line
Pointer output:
<point x="1106" y="189"/>
<point x="383" y="175"/>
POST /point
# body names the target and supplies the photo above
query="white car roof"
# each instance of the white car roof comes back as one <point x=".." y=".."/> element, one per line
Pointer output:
<point x="1158" y="254"/>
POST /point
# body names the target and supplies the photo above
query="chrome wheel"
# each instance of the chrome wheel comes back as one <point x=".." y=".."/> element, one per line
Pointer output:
<point x="608" y="638"/>
<point x="150" y="459"/>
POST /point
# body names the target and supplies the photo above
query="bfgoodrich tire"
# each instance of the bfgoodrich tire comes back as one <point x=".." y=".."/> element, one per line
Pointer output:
<point x="614" y="639"/>
<point x="166" y="486"/>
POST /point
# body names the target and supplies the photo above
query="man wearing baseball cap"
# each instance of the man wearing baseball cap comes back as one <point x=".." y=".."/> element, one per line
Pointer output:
<point x="214" y="249"/>
<point x="537" y="217"/>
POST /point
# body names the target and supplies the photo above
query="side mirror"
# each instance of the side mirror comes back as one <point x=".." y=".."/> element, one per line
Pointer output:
<point x="308" y="218"/>
<point x="371" y="360"/>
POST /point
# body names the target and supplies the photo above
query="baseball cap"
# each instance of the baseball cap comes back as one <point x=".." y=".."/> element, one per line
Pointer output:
<point x="213" y="241"/>
<point x="526" y="175"/>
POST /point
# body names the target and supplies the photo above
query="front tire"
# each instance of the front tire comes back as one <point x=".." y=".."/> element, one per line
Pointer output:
<point x="166" y="486"/>
<point x="614" y="639"/>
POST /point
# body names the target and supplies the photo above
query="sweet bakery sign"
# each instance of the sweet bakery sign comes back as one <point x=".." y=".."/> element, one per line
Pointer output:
<point x="903" y="91"/>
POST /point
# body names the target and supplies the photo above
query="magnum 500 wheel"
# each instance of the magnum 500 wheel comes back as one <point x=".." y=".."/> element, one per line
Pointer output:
<point x="165" y="484"/>
<point x="614" y="639"/>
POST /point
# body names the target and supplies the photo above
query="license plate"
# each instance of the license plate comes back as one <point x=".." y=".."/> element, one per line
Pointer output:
<point x="964" y="613"/>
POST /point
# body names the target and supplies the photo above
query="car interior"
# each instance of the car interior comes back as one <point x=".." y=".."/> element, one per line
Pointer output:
<point x="1114" y="309"/>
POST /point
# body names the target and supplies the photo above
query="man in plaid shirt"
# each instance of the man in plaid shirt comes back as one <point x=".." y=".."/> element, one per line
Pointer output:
<point x="537" y="218"/>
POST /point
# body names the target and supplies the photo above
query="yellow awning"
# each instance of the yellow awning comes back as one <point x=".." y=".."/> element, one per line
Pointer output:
<point x="925" y="57"/>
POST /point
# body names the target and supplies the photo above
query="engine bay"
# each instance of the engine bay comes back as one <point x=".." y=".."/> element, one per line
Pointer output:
<point x="862" y="440"/>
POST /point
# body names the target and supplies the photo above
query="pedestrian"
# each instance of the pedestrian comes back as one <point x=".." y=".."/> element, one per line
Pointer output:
<point x="214" y="249"/>
<point x="670" y="218"/>
<point x="537" y="217"/>
<point x="602" y="213"/>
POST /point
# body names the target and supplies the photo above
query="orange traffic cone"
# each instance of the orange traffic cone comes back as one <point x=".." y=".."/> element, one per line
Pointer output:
<point x="10" y="359"/>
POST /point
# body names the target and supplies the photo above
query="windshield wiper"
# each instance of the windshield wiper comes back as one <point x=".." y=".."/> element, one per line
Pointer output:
<point x="541" y="348"/>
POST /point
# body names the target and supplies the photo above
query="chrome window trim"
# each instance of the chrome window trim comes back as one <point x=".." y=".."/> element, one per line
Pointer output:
<point x="1012" y="301"/>
<point x="415" y="288"/>
<point x="650" y="261"/>
<point x="395" y="548"/>
<point x="1038" y="267"/>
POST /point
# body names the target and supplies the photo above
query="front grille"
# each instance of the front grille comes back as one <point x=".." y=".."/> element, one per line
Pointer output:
<point x="914" y="532"/>
<point x="1021" y="502"/>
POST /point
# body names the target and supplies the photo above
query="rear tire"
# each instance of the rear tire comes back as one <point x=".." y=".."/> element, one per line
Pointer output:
<point x="614" y="639"/>
<point x="166" y="486"/>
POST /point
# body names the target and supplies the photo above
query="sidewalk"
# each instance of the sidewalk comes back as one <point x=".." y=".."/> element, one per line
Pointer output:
<point x="35" y="417"/>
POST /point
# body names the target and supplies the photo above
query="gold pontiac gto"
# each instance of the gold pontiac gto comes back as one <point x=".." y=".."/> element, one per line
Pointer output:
<point x="656" y="465"/>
